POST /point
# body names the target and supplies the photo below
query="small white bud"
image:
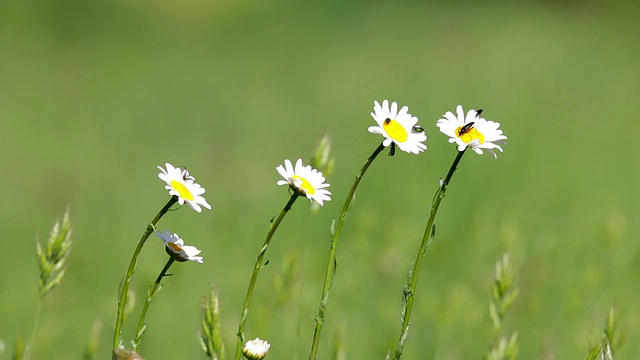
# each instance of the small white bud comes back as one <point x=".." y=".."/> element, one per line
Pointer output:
<point x="255" y="349"/>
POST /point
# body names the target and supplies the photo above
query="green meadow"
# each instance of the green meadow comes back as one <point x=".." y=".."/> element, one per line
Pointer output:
<point x="95" y="95"/>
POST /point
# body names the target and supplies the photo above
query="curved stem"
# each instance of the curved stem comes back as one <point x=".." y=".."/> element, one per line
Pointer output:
<point x="426" y="239"/>
<point x="124" y="287"/>
<point x="153" y="290"/>
<point x="256" y="269"/>
<point x="331" y="266"/>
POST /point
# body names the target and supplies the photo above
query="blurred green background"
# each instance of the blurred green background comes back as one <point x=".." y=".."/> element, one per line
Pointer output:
<point x="94" y="95"/>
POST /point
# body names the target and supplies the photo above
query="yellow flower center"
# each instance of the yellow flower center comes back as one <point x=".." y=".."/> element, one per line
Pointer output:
<point x="469" y="134"/>
<point x="175" y="247"/>
<point x="395" y="130"/>
<point x="182" y="190"/>
<point x="306" y="186"/>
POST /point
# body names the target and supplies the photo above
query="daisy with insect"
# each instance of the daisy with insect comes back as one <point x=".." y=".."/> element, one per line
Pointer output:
<point x="398" y="128"/>
<point x="183" y="189"/>
<point x="468" y="130"/>
<point x="472" y="130"/>
<point x="181" y="184"/>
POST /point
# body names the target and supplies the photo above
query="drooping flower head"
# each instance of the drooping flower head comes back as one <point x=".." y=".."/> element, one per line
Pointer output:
<point x="181" y="184"/>
<point x="176" y="248"/>
<point x="304" y="180"/>
<point x="255" y="349"/>
<point x="398" y="127"/>
<point x="471" y="130"/>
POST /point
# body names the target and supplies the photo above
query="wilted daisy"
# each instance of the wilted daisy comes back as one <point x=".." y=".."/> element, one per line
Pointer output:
<point x="305" y="180"/>
<point x="255" y="349"/>
<point x="183" y="185"/>
<point x="398" y="127"/>
<point x="176" y="248"/>
<point x="471" y="130"/>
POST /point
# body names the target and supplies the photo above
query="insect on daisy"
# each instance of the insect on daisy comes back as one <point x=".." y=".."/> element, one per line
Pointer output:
<point x="399" y="128"/>
<point x="472" y="130"/>
<point x="304" y="180"/>
<point x="186" y="176"/>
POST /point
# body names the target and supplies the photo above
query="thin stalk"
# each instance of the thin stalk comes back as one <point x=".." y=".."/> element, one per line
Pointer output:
<point x="331" y="266"/>
<point x="428" y="234"/>
<point x="124" y="287"/>
<point x="36" y="319"/>
<point x="256" y="269"/>
<point x="150" y="294"/>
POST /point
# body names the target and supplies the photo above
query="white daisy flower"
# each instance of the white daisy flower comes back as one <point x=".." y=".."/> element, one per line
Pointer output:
<point x="472" y="130"/>
<point x="183" y="185"/>
<point x="398" y="127"/>
<point x="176" y="248"/>
<point x="255" y="349"/>
<point x="305" y="180"/>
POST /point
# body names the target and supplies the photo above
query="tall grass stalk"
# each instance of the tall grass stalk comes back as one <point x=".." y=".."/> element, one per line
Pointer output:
<point x="211" y="335"/>
<point x="409" y="292"/>
<point x="36" y="320"/>
<point x="331" y="266"/>
<point x="611" y="339"/>
<point x="91" y="349"/>
<point x="19" y="349"/>
<point x="503" y="295"/>
<point x="52" y="258"/>
<point x="323" y="161"/>
<point x="153" y="290"/>
<point x="126" y="282"/>
<point x="256" y="270"/>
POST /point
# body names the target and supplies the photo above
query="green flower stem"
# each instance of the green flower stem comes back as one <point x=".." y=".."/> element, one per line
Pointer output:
<point x="124" y="287"/>
<point x="331" y="266"/>
<point x="153" y="290"/>
<point x="428" y="235"/>
<point x="256" y="269"/>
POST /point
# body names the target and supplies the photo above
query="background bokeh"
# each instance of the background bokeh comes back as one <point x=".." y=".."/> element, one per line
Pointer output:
<point x="94" y="95"/>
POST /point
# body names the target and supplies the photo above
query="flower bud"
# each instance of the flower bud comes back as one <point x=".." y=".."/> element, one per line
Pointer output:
<point x="255" y="349"/>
